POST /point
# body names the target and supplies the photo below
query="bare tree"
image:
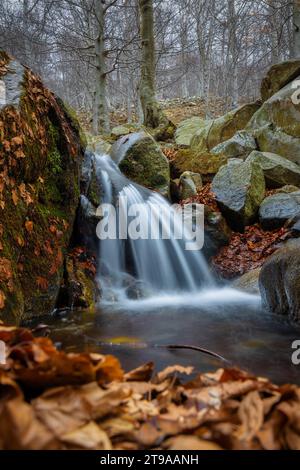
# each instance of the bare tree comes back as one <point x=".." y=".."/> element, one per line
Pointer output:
<point x="296" y="28"/>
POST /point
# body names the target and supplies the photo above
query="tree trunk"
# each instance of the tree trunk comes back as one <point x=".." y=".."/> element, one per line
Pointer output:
<point x="153" y="116"/>
<point x="296" y="25"/>
<point x="100" y="117"/>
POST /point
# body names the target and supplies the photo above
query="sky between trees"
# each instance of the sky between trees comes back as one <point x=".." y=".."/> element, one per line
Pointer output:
<point x="93" y="52"/>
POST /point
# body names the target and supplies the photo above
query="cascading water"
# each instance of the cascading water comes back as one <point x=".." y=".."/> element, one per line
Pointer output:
<point x="155" y="265"/>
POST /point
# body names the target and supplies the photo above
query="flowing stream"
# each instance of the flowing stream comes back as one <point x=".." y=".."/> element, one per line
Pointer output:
<point x="156" y="293"/>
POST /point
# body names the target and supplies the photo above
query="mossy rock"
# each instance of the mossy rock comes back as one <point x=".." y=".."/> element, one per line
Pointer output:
<point x="276" y="126"/>
<point x="223" y="128"/>
<point x="204" y="163"/>
<point x="141" y="159"/>
<point x="40" y="157"/>
<point x="239" y="189"/>
<point x="278" y="77"/>
<point x="187" y="129"/>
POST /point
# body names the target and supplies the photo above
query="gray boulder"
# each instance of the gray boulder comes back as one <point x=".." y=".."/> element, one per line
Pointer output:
<point x="240" y="145"/>
<point x="239" y="189"/>
<point x="187" y="129"/>
<point x="278" y="171"/>
<point x="248" y="282"/>
<point x="278" y="209"/>
<point x="279" y="281"/>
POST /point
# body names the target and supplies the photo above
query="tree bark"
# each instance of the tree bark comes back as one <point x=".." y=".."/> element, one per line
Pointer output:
<point x="296" y="27"/>
<point x="100" y="117"/>
<point x="153" y="115"/>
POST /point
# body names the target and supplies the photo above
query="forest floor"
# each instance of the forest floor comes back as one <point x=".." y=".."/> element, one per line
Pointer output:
<point x="53" y="400"/>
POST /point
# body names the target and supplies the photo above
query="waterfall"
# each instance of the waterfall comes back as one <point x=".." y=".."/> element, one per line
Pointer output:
<point x="135" y="268"/>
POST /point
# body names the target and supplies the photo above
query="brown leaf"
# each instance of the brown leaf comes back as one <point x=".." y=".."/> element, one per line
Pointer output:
<point x="190" y="443"/>
<point x="42" y="283"/>
<point x="29" y="226"/>
<point x="141" y="374"/>
<point x="89" y="437"/>
<point x="2" y="300"/>
<point x="251" y="414"/>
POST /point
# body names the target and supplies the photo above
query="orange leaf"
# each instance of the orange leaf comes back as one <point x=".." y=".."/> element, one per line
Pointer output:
<point x="2" y="300"/>
<point x="29" y="226"/>
<point x="15" y="197"/>
<point x="17" y="140"/>
<point x="42" y="283"/>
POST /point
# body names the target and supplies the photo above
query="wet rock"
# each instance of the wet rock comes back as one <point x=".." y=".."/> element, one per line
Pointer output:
<point x="239" y="190"/>
<point x="278" y="77"/>
<point x="240" y="145"/>
<point x="141" y="159"/>
<point x="217" y="233"/>
<point x="39" y="199"/>
<point x="97" y="144"/>
<point x="278" y="171"/>
<point x="278" y="209"/>
<point x="249" y="282"/>
<point x="125" y="129"/>
<point x="279" y="281"/>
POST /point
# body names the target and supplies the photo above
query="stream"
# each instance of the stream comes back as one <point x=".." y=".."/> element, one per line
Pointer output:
<point x="155" y="293"/>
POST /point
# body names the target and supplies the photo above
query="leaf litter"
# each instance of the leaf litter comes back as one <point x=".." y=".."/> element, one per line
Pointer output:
<point x="53" y="400"/>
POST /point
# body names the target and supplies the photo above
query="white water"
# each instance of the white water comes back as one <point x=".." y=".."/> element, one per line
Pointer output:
<point x="162" y="272"/>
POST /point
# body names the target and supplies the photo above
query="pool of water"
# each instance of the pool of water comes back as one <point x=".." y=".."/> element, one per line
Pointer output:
<point x="224" y="321"/>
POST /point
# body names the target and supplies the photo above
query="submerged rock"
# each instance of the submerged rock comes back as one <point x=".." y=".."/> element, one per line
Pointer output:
<point x="41" y="154"/>
<point x="278" y="209"/>
<point x="239" y="189"/>
<point x="278" y="171"/>
<point x="278" y="77"/>
<point x="141" y="159"/>
<point x="279" y="281"/>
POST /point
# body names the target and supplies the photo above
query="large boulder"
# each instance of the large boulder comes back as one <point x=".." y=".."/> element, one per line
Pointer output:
<point x="239" y="146"/>
<point x="223" y="128"/>
<point x="278" y="171"/>
<point x="40" y="159"/>
<point x="276" y="125"/>
<point x="198" y="157"/>
<point x="278" y="209"/>
<point x="278" y="77"/>
<point x="141" y="159"/>
<point x="239" y="189"/>
<point x="279" y="281"/>
<point x="187" y="129"/>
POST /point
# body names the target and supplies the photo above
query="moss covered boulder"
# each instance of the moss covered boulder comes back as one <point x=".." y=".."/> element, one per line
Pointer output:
<point x="278" y="171"/>
<point x="187" y="129"/>
<point x="199" y="157"/>
<point x="278" y="77"/>
<point x="239" y="189"/>
<point x="276" y="126"/>
<point x="141" y="159"/>
<point x="40" y="158"/>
